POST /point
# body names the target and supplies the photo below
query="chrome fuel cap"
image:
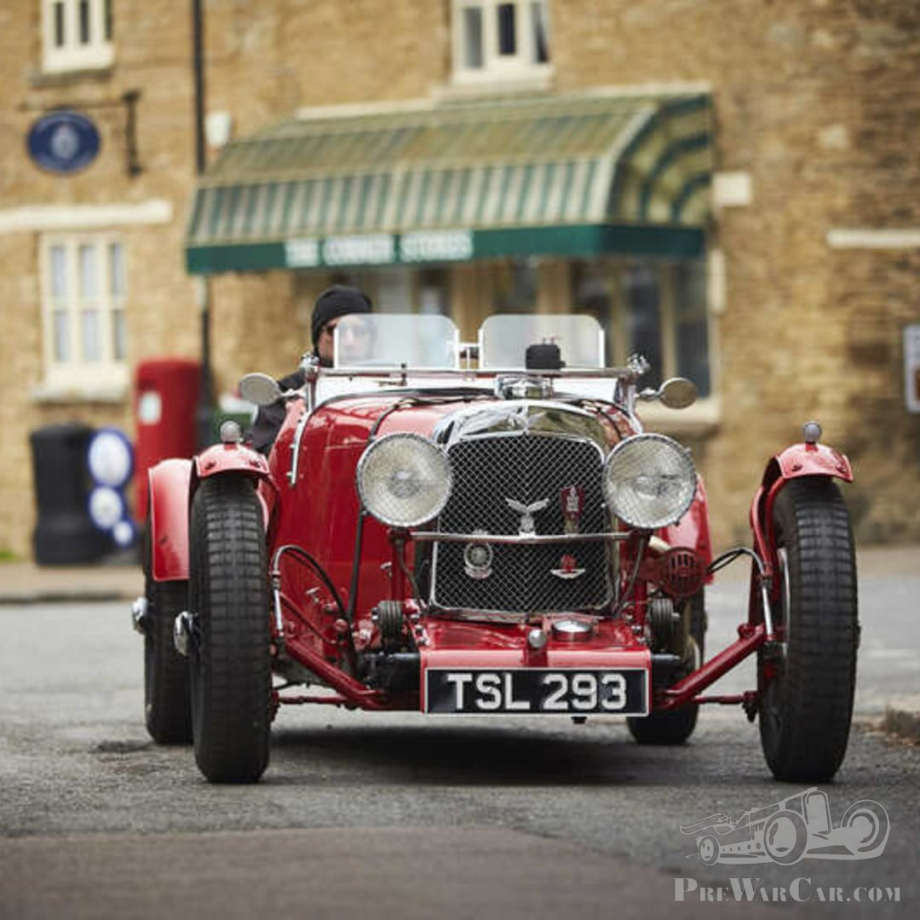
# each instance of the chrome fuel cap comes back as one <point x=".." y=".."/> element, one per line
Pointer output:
<point x="572" y="630"/>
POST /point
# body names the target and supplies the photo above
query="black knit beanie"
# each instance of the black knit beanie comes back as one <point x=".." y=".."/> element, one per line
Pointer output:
<point x="337" y="301"/>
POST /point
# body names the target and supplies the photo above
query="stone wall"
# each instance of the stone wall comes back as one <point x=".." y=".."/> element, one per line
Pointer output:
<point x="161" y="316"/>
<point x="817" y="102"/>
<point x="814" y="99"/>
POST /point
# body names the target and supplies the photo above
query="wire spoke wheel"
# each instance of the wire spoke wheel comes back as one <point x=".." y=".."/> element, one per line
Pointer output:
<point x="229" y="653"/>
<point x="808" y="679"/>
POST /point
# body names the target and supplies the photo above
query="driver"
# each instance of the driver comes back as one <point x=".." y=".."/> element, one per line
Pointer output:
<point x="355" y="334"/>
<point x="335" y="302"/>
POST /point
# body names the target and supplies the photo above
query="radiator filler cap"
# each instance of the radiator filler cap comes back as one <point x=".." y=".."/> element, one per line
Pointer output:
<point x="572" y="630"/>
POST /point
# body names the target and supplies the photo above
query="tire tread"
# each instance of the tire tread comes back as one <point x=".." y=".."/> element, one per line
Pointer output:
<point x="167" y="702"/>
<point x="816" y="695"/>
<point x="233" y="681"/>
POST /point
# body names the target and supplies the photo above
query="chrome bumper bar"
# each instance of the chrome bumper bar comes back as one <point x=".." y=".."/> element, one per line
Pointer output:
<point x="524" y="539"/>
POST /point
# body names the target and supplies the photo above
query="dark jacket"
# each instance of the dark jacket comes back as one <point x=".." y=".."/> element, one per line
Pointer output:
<point x="269" y="419"/>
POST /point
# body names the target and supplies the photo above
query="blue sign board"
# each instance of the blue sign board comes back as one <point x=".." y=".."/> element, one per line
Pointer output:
<point x="63" y="142"/>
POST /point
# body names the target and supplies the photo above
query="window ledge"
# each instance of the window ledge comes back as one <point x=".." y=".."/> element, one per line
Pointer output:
<point x="47" y="79"/>
<point x="475" y="85"/>
<point x="51" y="393"/>
<point x="698" y="421"/>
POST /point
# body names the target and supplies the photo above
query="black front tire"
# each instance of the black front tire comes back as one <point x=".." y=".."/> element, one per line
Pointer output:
<point x="167" y="705"/>
<point x="230" y="649"/>
<point x="675" y="726"/>
<point x="807" y="705"/>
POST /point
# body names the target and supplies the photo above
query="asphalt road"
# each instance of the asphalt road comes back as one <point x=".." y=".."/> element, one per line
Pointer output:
<point x="364" y="815"/>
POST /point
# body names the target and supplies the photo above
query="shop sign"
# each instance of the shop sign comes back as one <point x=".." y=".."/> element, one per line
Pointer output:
<point x="301" y="253"/>
<point x="436" y="246"/>
<point x="369" y="249"/>
<point x="379" y="249"/>
<point x="63" y="142"/>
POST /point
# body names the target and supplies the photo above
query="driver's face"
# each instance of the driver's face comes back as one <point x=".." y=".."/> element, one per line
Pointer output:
<point x="354" y="339"/>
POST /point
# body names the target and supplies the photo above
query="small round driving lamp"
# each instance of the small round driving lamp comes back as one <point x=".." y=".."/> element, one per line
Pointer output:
<point x="404" y="480"/>
<point x="649" y="481"/>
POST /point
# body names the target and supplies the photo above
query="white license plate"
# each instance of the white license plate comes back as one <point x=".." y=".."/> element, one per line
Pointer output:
<point x="623" y="691"/>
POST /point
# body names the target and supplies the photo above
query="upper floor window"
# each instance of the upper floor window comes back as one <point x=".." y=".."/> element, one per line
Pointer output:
<point x="500" y="39"/>
<point x="83" y="298"/>
<point x="76" y="34"/>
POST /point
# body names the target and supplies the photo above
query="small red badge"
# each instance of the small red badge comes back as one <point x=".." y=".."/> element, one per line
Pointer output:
<point x="568" y="567"/>
<point x="573" y="506"/>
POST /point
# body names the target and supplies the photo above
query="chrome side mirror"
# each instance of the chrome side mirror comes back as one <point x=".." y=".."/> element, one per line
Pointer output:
<point x="676" y="393"/>
<point x="260" y="389"/>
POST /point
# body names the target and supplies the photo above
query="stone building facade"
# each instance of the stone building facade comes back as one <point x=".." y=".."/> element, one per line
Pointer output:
<point x="809" y="271"/>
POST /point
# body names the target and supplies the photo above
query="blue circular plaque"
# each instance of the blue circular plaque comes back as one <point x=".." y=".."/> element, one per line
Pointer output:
<point x="63" y="142"/>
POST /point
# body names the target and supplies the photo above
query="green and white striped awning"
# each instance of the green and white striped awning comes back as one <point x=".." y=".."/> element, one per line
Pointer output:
<point x="567" y="175"/>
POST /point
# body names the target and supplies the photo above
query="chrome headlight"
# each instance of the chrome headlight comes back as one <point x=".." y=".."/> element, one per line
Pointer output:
<point x="404" y="480"/>
<point x="649" y="481"/>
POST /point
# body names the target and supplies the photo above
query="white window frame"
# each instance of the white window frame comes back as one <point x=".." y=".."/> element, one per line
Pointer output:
<point x="75" y="374"/>
<point x="496" y="67"/>
<point x="75" y="54"/>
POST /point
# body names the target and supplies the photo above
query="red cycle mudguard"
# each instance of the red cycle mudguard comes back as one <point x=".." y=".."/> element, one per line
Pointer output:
<point x="793" y="463"/>
<point x="172" y="484"/>
<point x="169" y="503"/>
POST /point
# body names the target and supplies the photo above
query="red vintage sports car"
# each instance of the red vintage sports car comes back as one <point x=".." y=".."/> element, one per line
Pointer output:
<point x="485" y="529"/>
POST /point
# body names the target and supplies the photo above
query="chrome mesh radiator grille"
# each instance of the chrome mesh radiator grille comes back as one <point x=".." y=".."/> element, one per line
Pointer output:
<point x="532" y="471"/>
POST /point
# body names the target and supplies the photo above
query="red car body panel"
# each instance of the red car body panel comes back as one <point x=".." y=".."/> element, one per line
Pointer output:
<point x="692" y="530"/>
<point x="324" y="524"/>
<point x="172" y="483"/>
<point x="794" y="462"/>
<point x="169" y="497"/>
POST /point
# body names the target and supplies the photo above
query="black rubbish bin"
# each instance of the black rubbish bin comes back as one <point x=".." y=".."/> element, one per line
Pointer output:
<point x="64" y="534"/>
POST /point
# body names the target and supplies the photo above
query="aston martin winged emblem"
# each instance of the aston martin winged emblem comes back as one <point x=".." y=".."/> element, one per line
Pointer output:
<point x="568" y="568"/>
<point x="527" y="512"/>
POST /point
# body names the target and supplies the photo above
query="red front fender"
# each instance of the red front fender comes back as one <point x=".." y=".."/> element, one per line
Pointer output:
<point x="230" y="458"/>
<point x="172" y="484"/>
<point x="169" y="498"/>
<point x="793" y="463"/>
<point x="221" y="459"/>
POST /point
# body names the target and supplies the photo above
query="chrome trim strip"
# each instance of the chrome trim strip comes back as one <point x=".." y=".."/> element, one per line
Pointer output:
<point x="514" y="616"/>
<point x="405" y="371"/>
<point x="310" y="366"/>
<point x="295" y="445"/>
<point x="430" y="536"/>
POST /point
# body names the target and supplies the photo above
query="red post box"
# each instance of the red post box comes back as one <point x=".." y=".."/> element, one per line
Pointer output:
<point x="166" y="394"/>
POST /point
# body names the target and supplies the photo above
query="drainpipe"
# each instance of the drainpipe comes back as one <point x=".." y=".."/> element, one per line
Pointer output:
<point x="204" y="412"/>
